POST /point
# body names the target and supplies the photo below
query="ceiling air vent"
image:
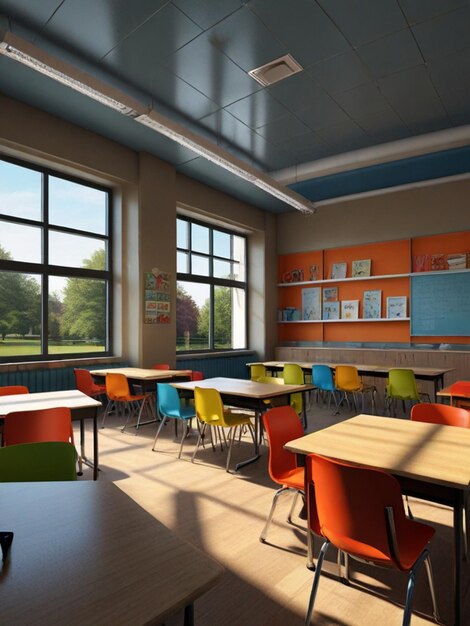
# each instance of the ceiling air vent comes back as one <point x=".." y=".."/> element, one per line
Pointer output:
<point x="276" y="70"/>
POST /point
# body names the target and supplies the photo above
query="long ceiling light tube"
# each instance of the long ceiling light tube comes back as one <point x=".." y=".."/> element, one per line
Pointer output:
<point x="70" y="76"/>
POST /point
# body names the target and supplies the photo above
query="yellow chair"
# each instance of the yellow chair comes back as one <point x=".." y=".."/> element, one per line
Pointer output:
<point x="210" y="412"/>
<point x="401" y="385"/>
<point x="294" y="375"/>
<point x="257" y="370"/>
<point x="347" y="380"/>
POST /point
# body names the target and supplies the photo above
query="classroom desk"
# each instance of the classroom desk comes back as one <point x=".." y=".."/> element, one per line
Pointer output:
<point x="145" y="378"/>
<point x="246" y="394"/>
<point x="429" y="460"/>
<point x="86" y="553"/>
<point x="446" y="393"/>
<point x="436" y="375"/>
<point x="82" y="407"/>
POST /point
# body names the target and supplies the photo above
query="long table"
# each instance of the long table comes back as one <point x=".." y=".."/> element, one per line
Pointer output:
<point x="436" y="375"/>
<point x="86" y="553"/>
<point x="81" y="406"/>
<point x="246" y="394"/>
<point x="429" y="460"/>
<point x="145" y="378"/>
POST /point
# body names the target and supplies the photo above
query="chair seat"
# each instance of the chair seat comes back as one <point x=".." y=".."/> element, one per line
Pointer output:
<point x="185" y="413"/>
<point x="294" y="478"/>
<point x="235" y="419"/>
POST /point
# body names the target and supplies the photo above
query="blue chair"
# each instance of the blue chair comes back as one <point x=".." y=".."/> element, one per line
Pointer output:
<point x="322" y="379"/>
<point x="169" y="406"/>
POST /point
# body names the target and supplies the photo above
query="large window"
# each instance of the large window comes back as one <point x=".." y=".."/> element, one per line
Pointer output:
<point x="211" y="289"/>
<point x="55" y="269"/>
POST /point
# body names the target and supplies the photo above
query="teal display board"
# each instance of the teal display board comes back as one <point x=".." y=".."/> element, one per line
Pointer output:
<point x="440" y="305"/>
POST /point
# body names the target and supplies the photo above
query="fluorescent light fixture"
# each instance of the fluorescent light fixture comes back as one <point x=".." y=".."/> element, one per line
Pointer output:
<point x="40" y="61"/>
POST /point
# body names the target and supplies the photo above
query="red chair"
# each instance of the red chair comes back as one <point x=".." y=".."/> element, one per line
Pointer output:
<point x="84" y="383"/>
<point x="160" y="366"/>
<point x="360" y="511"/>
<point x="12" y="390"/>
<point x="53" y="424"/>
<point x="282" y="425"/>
<point x="440" y="414"/>
<point x="195" y="375"/>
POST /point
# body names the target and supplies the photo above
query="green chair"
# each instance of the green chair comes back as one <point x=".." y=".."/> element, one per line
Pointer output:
<point x="402" y="386"/>
<point x="294" y="375"/>
<point x="257" y="370"/>
<point x="44" y="461"/>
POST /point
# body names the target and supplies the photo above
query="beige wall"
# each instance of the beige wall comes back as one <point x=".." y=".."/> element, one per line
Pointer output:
<point x="146" y="194"/>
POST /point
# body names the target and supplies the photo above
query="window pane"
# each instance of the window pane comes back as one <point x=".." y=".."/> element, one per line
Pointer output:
<point x="200" y="265"/>
<point x="77" y="206"/>
<point x="20" y="191"/>
<point x="76" y="251"/>
<point x="20" y="314"/>
<point x="222" y="244"/>
<point x="192" y="316"/>
<point x="77" y="315"/>
<point x="222" y="269"/>
<point x="20" y="243"/>
<point x="182" y="262"/>
<point x="229" y="318"/>
<point x="182" y="234"/>
<point x="239" y="254"/>
<point x="237" y="271"/>
<point x="200" y="238"/>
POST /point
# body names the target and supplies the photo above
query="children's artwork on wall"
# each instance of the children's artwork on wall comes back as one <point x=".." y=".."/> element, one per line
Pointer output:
<point x="361" y="268"/>
<point x="350" y="309"/>
<point x="293" y="276"/>
<point x="331" y="310"/>
<point x="157" y="297"/>
<point x="311" y="303"/>
<point x="330" y="294"/>
<point x="338" y="270"/>
<point x="372" y="304"/>
<point x="396" y="306"/>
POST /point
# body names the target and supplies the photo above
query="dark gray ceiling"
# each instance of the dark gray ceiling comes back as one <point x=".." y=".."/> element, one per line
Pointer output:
<point x="374" y="71"/>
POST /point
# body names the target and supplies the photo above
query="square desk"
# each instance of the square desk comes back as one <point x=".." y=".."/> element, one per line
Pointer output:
<point x="429" y="460"/>
<point x="246" y="394"/>
<point x="145" y="378"/>
<point x="81" y="406"/>
<point x="86" y="553"/>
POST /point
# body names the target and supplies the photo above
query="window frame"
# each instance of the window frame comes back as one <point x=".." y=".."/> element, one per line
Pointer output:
<point x="211" y="280"/>
<point x="44" y="270"/>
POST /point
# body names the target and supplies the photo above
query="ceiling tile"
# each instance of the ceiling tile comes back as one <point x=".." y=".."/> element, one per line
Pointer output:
<point x="308" y="34"/>
<point x="208" y="70"/>
<point x="455" y="101"/>
<point x="206" y="13"/>
<point x="347" y="133"/>
<point x="340" y="73"/>
<point x="362" y="100"/>
<point x="280" y="130"/>
<point x="384" y="126"/>
<point x="450" y="71"/>
<point x="258" y="109"/>
<point x="391" y="54"/>
<point x="362" y="21"/>
<point x="33" y="14"/>
<point x="408" y="90"/>
<point x="323" y="112"/>
<point x="305" y="148"/>
<point x="444" y="34"/>
<point x="419" y="11"/>
<point x="296" y="92"/>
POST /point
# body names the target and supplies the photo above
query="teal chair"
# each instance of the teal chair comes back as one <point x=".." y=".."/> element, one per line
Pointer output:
<point x="322" y="379"/>
<point x="169" y="407"/>
<point x="44" y="461"/>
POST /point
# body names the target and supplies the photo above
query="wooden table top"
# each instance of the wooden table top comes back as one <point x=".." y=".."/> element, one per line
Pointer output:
<point x="73" y="399"/>
<point x="244" y="388"/>
<point x="419" y="371"/>
<point x="446" y="393"/>
<point x="428" y="452"/>
<point x="86" y="553"/>
<point x="139" y="373"/>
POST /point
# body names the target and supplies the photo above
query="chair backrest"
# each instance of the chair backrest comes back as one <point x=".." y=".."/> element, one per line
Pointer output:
<point x="53" y="424"/>
<point x="322" y="377"/>
<point x="209" y="406"/>
<point x="44" y="461"/>
<point x="440" y="414"/>
<point x="347" y="378"/>
<point x="281" y="425"/>
<point x="160" y="366"/>
<point x="12" y="390"/>
<point x="196" y="375"/>
<point x="402" y="385"/>
<point x="270" y="380"/>
<point x="257" y="370"/>
<point x="293" y="374"/>
<point x="355" y="519"/>
<point x="84" y="381"/>
<point x="168" y="400"/>
<point x="117" y="387"/>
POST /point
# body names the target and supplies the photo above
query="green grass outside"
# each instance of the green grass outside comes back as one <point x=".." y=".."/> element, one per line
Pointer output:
<point x="31" y="347"/>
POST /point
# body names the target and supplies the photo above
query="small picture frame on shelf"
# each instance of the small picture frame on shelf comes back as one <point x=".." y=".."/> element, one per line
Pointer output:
<point x="338" y="270"/>
<point x="331" y="310"/>
<point x="396" y="307"/>
<point x="330" y="294"/>
<point x="457" y="261"/>
<point x="361" y="268"/>
<point x="372" y="304"/>
<point x="311" y="303"/>
<point x="314" y="272"/>
<point x="349" y="309"/>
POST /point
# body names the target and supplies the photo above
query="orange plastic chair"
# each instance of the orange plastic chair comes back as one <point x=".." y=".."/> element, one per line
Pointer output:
<point x="12" y="390"/>
<point x="347" y="380"/>
<point x="117" y="390"/>
<point x="53" y="424"/>
<point x="360" y="511"/>
<point x="440" y="414"/>
<point x="160" y="366"/>
<point x="196" y="375"/>
<point x="84" y="383"/>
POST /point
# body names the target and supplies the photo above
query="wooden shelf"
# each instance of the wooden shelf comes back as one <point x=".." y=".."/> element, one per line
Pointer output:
<point x="353" y="279"/>
<point x="381" y="319"/>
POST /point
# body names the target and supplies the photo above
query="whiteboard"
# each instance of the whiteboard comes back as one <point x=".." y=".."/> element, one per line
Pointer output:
<point x="440" y="304"/>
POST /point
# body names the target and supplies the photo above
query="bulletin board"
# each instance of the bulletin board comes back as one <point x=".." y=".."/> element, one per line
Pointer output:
<point x="157" y="297"/>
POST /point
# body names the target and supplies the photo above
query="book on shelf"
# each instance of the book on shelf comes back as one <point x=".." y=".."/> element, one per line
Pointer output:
<point x="349" y="309"/>
<point x="438" y="262"/>
<point x="330" y="294"/>
<point x="457" y="261"/>
<point x="396" y="306"/>
<point x="360" y="268"/>
<point x="331" y="310"/>
<point x="338" y="270"/>
<point x="372" y="304"/>
<point x="421" y="263"/>
<point x="311" y="303"/>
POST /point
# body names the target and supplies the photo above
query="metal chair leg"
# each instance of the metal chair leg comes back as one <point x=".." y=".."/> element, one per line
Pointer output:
<point x="264" y="532"/>
<point x="294" y="501"/>
<point x="411" y="587"/>
<point x="199" y="439"/>
<point x="316" y="580"/>
<point x="184" y="435"/>
<point x="435" y="610"/>
<point x="162" y="423"/>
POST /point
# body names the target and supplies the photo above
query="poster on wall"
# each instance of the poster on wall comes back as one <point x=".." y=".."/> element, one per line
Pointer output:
<point x="157" y="297"/>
